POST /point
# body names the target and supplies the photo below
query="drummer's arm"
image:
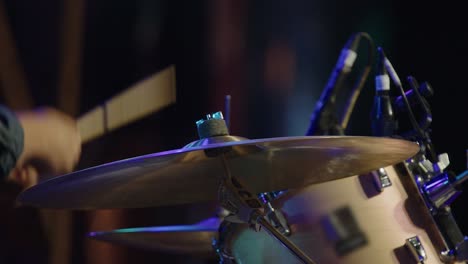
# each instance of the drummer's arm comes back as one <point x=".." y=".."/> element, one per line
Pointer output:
<point x="51" y="145"/>
<point x="11" y="141"/>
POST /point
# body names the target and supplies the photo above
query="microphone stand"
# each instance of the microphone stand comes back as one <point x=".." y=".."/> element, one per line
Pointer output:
<point x="324" y="120"/>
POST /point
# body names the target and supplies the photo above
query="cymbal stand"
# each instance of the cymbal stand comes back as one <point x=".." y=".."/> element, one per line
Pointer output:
<point x="276" y="217"/>
<point x="247" y="208"/>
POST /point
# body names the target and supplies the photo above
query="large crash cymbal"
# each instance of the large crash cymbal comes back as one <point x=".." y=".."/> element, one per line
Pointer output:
<point x="191" y="174"/>
<point x="182" y="239"/>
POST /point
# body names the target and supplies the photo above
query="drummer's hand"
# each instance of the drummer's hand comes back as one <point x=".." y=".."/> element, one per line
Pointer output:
<point x="52" y="145"/>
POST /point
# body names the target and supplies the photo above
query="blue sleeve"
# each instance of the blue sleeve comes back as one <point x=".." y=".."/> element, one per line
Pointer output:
<point x="11" y="141"/>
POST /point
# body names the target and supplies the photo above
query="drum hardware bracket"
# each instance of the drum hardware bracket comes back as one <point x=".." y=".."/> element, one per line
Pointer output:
<point x="275" y="216"/>
<point x="246" y="208"/>
<point x="430" y="169"/>
<point x="439" y="189"/>
<point x="414" y="245"/>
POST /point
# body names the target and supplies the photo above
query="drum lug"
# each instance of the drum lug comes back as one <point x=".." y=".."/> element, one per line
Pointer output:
<point x="381" y="179"/>
<point x="416" y="248"/>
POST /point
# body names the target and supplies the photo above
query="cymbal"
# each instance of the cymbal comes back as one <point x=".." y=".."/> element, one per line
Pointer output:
<point x="191" y="174"/>
<point x="183" y="239"/>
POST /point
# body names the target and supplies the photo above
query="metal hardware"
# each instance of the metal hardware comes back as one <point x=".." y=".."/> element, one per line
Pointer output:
<point x="381" y="179"/>
<point x="275" y="216"/>
<point x="459" y="253"/>
<point x="416" y="248"/>
<point x="440" y="191"/>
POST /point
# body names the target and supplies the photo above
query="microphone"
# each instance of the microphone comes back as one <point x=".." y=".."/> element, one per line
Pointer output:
<point x="323" y="122"/>
<point x="382" y="116"/>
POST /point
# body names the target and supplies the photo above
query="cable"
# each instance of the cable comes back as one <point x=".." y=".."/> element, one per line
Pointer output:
<point x="414" y="123"/>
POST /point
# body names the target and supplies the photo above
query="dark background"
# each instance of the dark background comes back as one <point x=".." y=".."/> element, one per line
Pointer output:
<point x="274" y="57"/>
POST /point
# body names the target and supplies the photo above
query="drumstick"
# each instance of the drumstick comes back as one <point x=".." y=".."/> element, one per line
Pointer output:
<point x="141" y="99"/>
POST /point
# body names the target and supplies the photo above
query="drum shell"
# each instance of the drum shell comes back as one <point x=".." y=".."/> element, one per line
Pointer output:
<point x="385" y="218"/>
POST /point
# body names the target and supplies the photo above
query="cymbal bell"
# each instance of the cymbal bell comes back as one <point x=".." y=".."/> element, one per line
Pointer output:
<point x="183" y="239"/>
<point x="192" y="174"/>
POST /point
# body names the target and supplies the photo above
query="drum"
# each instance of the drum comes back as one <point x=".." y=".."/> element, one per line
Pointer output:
<point x="345" y="221"/>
